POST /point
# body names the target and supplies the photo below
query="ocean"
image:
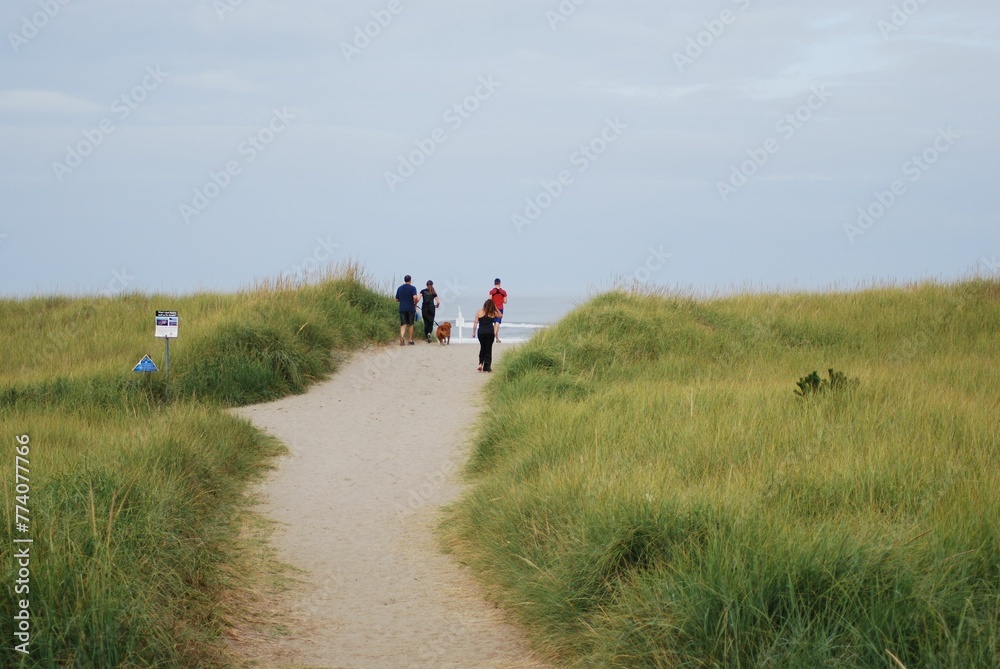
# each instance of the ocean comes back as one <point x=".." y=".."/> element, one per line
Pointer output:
<point x="523" y="317"/>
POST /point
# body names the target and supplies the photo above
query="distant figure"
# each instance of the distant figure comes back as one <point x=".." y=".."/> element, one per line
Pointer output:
<point x="483" y="323"/>
<point x="429" y="302"/>
<point x="499" y="297"/>
<point x="460" y="322"/>
<point x="406" y="295"/>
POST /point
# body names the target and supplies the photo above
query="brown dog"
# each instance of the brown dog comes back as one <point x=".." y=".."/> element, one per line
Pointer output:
<point x="443" y="333"/>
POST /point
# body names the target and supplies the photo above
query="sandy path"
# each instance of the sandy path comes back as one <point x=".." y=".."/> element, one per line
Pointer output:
<point x="375" y="451"/>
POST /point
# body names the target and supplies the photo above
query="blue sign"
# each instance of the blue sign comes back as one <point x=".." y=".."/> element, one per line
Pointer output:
<point x="145" y="365"/>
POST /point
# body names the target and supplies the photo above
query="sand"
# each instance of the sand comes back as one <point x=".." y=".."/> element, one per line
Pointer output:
<point x="375" y="453"/>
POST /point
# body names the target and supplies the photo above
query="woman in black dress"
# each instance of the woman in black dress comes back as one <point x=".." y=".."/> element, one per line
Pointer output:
<point x="484" y="325"/>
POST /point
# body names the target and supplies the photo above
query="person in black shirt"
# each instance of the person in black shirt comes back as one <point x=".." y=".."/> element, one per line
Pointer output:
<point x="484" y="325"/>
<point x="429" y="302"/>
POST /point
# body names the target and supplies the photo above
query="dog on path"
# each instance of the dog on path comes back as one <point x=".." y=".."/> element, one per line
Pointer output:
<point x="443" y="333"/>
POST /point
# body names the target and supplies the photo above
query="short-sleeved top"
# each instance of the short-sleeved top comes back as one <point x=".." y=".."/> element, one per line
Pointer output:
<point x="498" y="295"/>
<point x="405" y="295"/>
<point x="428" y="295"/>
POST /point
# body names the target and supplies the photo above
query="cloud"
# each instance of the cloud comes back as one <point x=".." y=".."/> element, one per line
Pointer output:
<point x="26" y="101"/>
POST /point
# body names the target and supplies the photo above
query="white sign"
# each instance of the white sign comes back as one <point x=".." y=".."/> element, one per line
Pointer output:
<point x="166" y="324"/>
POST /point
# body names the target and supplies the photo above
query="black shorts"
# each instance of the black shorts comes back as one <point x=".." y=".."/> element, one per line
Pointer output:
<point x="407" y="317"/>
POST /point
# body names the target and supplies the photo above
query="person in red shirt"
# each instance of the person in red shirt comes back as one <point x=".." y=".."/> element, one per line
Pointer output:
<point x="499" y="297"/>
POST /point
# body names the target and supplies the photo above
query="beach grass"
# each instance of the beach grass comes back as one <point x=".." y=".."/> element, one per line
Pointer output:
<point x="138" y="490"/>
<point x="648" y="490"/>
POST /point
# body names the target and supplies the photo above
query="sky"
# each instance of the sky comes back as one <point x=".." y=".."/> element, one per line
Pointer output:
<point x="565" y="146"/>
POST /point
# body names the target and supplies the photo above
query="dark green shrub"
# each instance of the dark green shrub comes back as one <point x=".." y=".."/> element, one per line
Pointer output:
<point x="812" y="384"/>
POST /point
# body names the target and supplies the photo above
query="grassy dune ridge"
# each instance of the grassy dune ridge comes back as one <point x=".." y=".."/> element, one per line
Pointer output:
<point x="136" y="501"/>
<point x="648" y="491"/>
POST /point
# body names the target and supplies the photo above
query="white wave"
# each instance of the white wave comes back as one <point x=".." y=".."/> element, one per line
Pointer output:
<point x="524" y="326"/>
<point x="520" y="326"/>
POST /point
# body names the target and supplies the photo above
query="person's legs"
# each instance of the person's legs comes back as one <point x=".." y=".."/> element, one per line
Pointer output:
<point x="496" y="326"/>
<point x="428" y="317"/>
<point x="486" y="350"/>
<point x="488" y="362"/>
<point x="406" y="326"/>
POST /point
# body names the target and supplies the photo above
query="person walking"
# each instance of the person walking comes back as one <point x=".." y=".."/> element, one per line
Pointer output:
<point x="499" y="297"/>
<point x="429" y="302"/>
<point x="482" y="327"/>
<point x="407" y="297"/>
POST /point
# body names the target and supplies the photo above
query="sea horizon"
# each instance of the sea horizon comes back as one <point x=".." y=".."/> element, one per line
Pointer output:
<point x="523" y="317"/>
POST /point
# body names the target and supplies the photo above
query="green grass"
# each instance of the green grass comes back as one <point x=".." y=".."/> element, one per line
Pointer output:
<point x="138" y="491"/>
<point x="649" y="491"/>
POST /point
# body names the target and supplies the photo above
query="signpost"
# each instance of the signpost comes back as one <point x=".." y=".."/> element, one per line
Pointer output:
<point x="166" y="327"/>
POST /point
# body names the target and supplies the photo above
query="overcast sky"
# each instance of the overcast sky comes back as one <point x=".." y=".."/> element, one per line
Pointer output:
<point x="181" y="145"/>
